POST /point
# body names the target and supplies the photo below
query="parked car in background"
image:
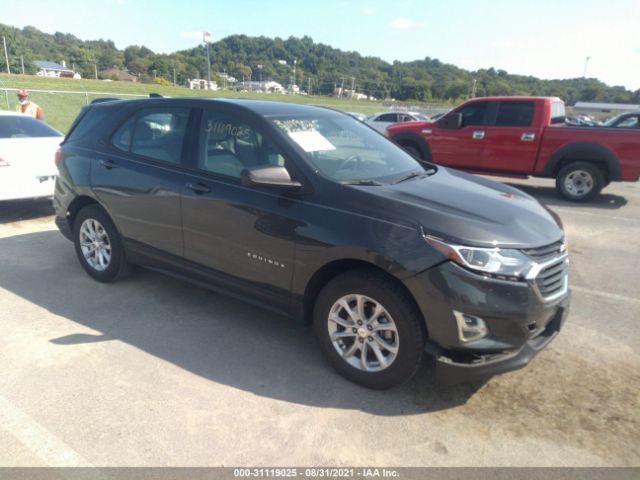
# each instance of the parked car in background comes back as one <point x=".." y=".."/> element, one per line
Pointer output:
<point x="358" y="116"/>
<point x="625" y="120"/>
<point x="381" y="121"/>
<point x="310" y="213"/>
<point x="581" y="121"/>
<point x="437" y="116"/>
<point x="27" y="149"/>
<point x="522" y="136"/>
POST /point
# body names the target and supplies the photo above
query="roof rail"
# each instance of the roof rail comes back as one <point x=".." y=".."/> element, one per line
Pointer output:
<point x="102" y="100"/>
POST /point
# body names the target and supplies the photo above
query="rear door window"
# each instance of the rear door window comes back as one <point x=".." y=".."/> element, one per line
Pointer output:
<point x="515" y="114"/>
<point x="474" y="114"/>
<point x="155" y="133"/>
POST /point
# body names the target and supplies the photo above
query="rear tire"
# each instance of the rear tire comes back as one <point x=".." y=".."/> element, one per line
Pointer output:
<point x="98" y="245"/>
<point x="391" y="331"/>
<point x="580" y="181"/>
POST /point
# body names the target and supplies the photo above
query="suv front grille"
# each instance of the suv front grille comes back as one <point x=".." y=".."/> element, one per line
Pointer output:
<point x="552" y="279"/>
<point x="545" y="252"/>
<point x="549" y="277"/>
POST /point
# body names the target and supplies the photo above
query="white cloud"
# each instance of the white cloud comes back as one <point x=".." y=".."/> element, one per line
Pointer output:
<point x="370" y="11"/>
<point x="191" y="35"/>
<point x="405" y="24"/>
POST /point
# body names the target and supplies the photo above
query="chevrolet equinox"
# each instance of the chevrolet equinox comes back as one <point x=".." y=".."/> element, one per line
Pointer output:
<point x="310" y="213"/>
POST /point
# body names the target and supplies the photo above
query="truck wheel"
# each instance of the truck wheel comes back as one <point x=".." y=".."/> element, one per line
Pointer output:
<point x="98" y="245"/>
<point x="579" y="181"/>
<point x="369" y="329"/>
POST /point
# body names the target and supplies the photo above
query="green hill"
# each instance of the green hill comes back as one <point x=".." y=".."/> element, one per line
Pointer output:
<point x="319" y="66"/>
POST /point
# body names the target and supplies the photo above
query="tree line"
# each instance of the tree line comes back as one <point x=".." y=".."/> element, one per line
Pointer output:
<point x="319" y="68"/>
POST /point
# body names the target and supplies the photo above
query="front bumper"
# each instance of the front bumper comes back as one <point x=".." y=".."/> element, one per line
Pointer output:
<point x="520" y="324"/>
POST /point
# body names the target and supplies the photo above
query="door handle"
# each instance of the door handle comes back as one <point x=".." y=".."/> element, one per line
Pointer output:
<point x="478" y="135"/>
<point x="198" y="188"/>
<point x="108" y="164"/>
<point x="528" y="137"/>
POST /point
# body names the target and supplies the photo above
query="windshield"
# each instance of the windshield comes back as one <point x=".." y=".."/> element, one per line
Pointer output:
<point x="346" y="150"/>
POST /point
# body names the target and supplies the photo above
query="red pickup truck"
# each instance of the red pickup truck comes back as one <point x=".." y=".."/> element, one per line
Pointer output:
<point x="523" y="136"/>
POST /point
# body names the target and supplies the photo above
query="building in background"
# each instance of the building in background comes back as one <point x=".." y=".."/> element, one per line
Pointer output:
<point x="604" y="107"/>
<point x="267" y="87"/>
<point x="53" y="69"/>
<point x="200" y="84"/>
<point x="118" y="74"/>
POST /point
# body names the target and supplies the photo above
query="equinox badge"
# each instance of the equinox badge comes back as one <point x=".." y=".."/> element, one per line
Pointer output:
<point x="260" y="258"/>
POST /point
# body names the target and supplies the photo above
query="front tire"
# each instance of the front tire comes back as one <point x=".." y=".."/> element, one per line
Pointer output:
<point x="580" y="181"/>
<point x="369" y="329"/>
<point x="98" y="245"/>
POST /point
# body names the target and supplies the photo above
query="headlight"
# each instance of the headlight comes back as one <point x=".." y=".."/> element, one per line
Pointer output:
<point x="510" y="264"/>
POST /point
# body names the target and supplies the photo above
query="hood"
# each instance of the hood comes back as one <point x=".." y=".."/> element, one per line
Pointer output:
<point x="414" y="126"/>
<point x="466" y="209"/>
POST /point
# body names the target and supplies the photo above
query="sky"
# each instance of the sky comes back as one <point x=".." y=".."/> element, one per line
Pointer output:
<point x="544" y="38"/>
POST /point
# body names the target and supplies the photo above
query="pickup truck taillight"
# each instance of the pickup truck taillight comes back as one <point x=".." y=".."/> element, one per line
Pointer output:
<point x="58" y="157"/>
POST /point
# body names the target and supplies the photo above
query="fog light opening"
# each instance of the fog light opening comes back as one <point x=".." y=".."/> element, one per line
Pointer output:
<point x="470" y="327"/>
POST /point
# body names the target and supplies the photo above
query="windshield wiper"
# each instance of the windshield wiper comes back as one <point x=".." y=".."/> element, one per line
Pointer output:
<point x="362" y="182"/>
<point x="411" y="175"/>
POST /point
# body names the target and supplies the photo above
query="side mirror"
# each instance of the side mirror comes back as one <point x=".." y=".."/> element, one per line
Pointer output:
<point x="267" y="176"/>
<point x="452" y="121"/>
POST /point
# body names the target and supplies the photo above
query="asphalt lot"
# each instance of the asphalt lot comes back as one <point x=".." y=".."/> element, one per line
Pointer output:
<point x="152" y="371"/>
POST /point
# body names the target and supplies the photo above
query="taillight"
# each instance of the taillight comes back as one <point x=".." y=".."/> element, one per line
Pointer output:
<point x="4" y="163"/>
<point x="58" y="157"/>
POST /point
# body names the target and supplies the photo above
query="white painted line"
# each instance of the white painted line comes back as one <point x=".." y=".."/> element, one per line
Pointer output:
<point x="40" y="441"/>
<point x="613" y="296"/>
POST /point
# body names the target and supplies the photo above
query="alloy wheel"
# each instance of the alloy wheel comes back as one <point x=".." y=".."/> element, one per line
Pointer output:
<point x="95" y="244"/>
<point x="363" y="332"/>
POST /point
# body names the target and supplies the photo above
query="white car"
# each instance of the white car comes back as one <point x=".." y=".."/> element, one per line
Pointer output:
<point x="27" y="151"/>
<point x="381" y="121"/>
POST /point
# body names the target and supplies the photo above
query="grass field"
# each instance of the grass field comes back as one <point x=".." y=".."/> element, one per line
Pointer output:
<point x="61" y="108"/>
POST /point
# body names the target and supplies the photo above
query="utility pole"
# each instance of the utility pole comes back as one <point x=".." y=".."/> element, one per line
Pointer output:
<point x="293" y="78"/>
<point x="473" y="88"/>
<point x="341" y="87"/>
<point x="353" y="86"/>
<point x="586" y="64"/>
<point x="22" y="63"/>
<point x="95" y="68"/>
<point x="206" y="36"/>
<point x="6" y="56"/>
<point x="309" y="86"/>
<point x="174" y="77"/>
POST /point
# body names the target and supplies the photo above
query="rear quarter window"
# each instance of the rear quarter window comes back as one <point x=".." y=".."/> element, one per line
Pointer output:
<point x="515" y="114"/>
<point x="17" y="126"/>
<point x="558" y="112"/>
<point x="88" y="123"/>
